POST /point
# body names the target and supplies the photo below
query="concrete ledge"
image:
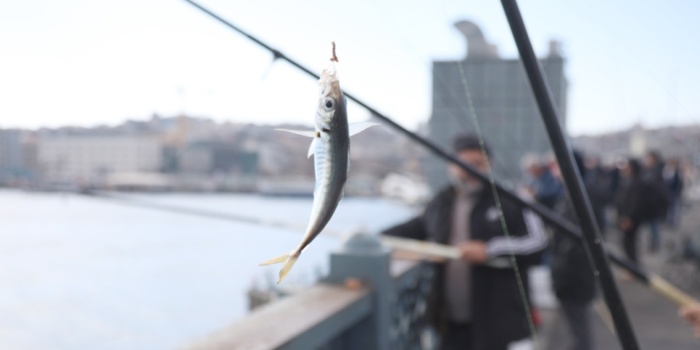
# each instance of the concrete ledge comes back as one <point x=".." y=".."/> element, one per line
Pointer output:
<point x="303" y="321"/>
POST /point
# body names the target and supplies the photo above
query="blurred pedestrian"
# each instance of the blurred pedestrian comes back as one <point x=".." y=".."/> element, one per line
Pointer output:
<point x="599" y="186"/>
<point x="481" y="301"/>
<point x="573" y="279"/>
<point x="542" y="185"/>
<point x="652" y="176"/>
<point x="631" y="206"/>
<point x="673" y="177"/>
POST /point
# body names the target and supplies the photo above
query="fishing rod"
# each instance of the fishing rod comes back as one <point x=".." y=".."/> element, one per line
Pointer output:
<point x="555" y="220"/>
<point x="408" y="248"/>
<point x="130" y="201"/>
<point x="572" y="178"/>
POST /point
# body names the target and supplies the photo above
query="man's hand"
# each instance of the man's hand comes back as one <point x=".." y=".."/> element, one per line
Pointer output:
<point x="474" y="251"/>
<point x="691" y="313"/>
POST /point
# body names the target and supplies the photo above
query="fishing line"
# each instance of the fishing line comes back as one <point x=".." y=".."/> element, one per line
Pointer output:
<point x="499" y="207"/>
<point x="477" y="128"/>
<point x="463" y="125"/>
<point x="471" y="111"/>
<point x="510" y="173"/>
<point x="266" y="72"/>
<point x="654" y="282"/>
<point x="550" y="117"/>
<point x="406" y="248"/>
<point x="135" y="202"/>
<point x="592" y="16"/>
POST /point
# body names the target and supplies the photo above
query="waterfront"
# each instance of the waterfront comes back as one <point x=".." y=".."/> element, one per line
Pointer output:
<point x="85" y="273"/>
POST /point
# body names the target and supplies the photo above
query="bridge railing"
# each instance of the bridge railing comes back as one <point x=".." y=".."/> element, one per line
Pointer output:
<point x="368" y="301"/>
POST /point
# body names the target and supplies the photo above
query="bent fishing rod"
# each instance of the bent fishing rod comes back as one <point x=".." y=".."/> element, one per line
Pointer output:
<point x="562" y="225"/>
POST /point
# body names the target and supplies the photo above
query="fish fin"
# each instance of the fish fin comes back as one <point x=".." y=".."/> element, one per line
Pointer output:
<point x="307" y="133"/>
<point x="289" y="259"/>
<point x="287" y="266"/>
<point x="280" y="259"/>
<point x="356" y="128"/>
<point x="312" y="148"/>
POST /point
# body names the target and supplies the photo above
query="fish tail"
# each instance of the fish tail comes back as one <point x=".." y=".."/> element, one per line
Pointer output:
<point x="287" y="266"/>
<point x="280" y="259"/>
<point x="289" y="259"/>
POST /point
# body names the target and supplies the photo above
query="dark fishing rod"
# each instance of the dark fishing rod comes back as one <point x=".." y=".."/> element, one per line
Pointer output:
<point x="572" y="178"/>
<point x="549" y="216"/>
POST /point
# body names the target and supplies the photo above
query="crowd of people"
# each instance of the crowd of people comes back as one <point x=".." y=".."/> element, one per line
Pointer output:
<point x="624" y="197"/>
<point x="482" y="301"/>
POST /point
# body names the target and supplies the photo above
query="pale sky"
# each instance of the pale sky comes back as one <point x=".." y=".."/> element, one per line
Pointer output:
<point x="80" y="62"/>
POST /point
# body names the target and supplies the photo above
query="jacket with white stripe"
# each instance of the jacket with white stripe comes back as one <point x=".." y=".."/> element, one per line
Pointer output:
<point x="498" y="313"/>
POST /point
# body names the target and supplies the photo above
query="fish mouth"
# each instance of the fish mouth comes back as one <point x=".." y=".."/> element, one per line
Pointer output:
<point x="329" y="83"/>
<point x="329" y="75"/>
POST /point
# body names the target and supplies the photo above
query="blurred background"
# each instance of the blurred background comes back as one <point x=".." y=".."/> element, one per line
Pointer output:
<point x="142" y="181"/>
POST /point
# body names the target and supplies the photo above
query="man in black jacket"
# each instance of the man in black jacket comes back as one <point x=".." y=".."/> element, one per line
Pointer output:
<point x="479" y="302"/>
<point x="653" y="178"/>
<point x="573" y="279"/>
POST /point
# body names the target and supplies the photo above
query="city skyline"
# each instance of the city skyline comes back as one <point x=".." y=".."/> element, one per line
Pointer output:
<point x="195" y="154"/>
<point x="82" y="64"/>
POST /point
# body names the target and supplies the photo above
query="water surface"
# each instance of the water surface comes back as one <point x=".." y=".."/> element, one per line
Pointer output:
<point x="87" y="273"/>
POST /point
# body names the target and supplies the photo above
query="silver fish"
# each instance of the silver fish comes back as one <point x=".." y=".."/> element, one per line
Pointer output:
<point x="330" y="147"/>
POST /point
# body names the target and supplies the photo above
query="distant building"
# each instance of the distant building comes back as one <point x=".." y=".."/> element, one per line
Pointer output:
<point x="217" y="157"/>
<point x="639" y="142"/>
<point x="16" y="156"/>
<point x="197" y="159"/>
<point x="503" y="104"/>
<point x="10" y="151"/>
<point x="83" y="159"/>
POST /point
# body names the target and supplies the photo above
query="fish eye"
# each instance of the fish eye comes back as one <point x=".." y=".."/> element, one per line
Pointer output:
<point x="328" y="104"/>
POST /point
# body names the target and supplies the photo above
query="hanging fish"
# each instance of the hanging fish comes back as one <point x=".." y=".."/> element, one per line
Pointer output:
<point x="330" y="147"/>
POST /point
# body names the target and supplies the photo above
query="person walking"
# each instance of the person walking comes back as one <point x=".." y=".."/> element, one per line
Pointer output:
<point x="673" y="177"/>
<point x="543" y="186"/>
<point x="632" y="206"/>
<point x="652" y="176"/>
<point x="573" y="280"/>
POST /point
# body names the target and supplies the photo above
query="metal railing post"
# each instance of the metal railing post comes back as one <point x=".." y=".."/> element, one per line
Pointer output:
<point x="364" y="257"/>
